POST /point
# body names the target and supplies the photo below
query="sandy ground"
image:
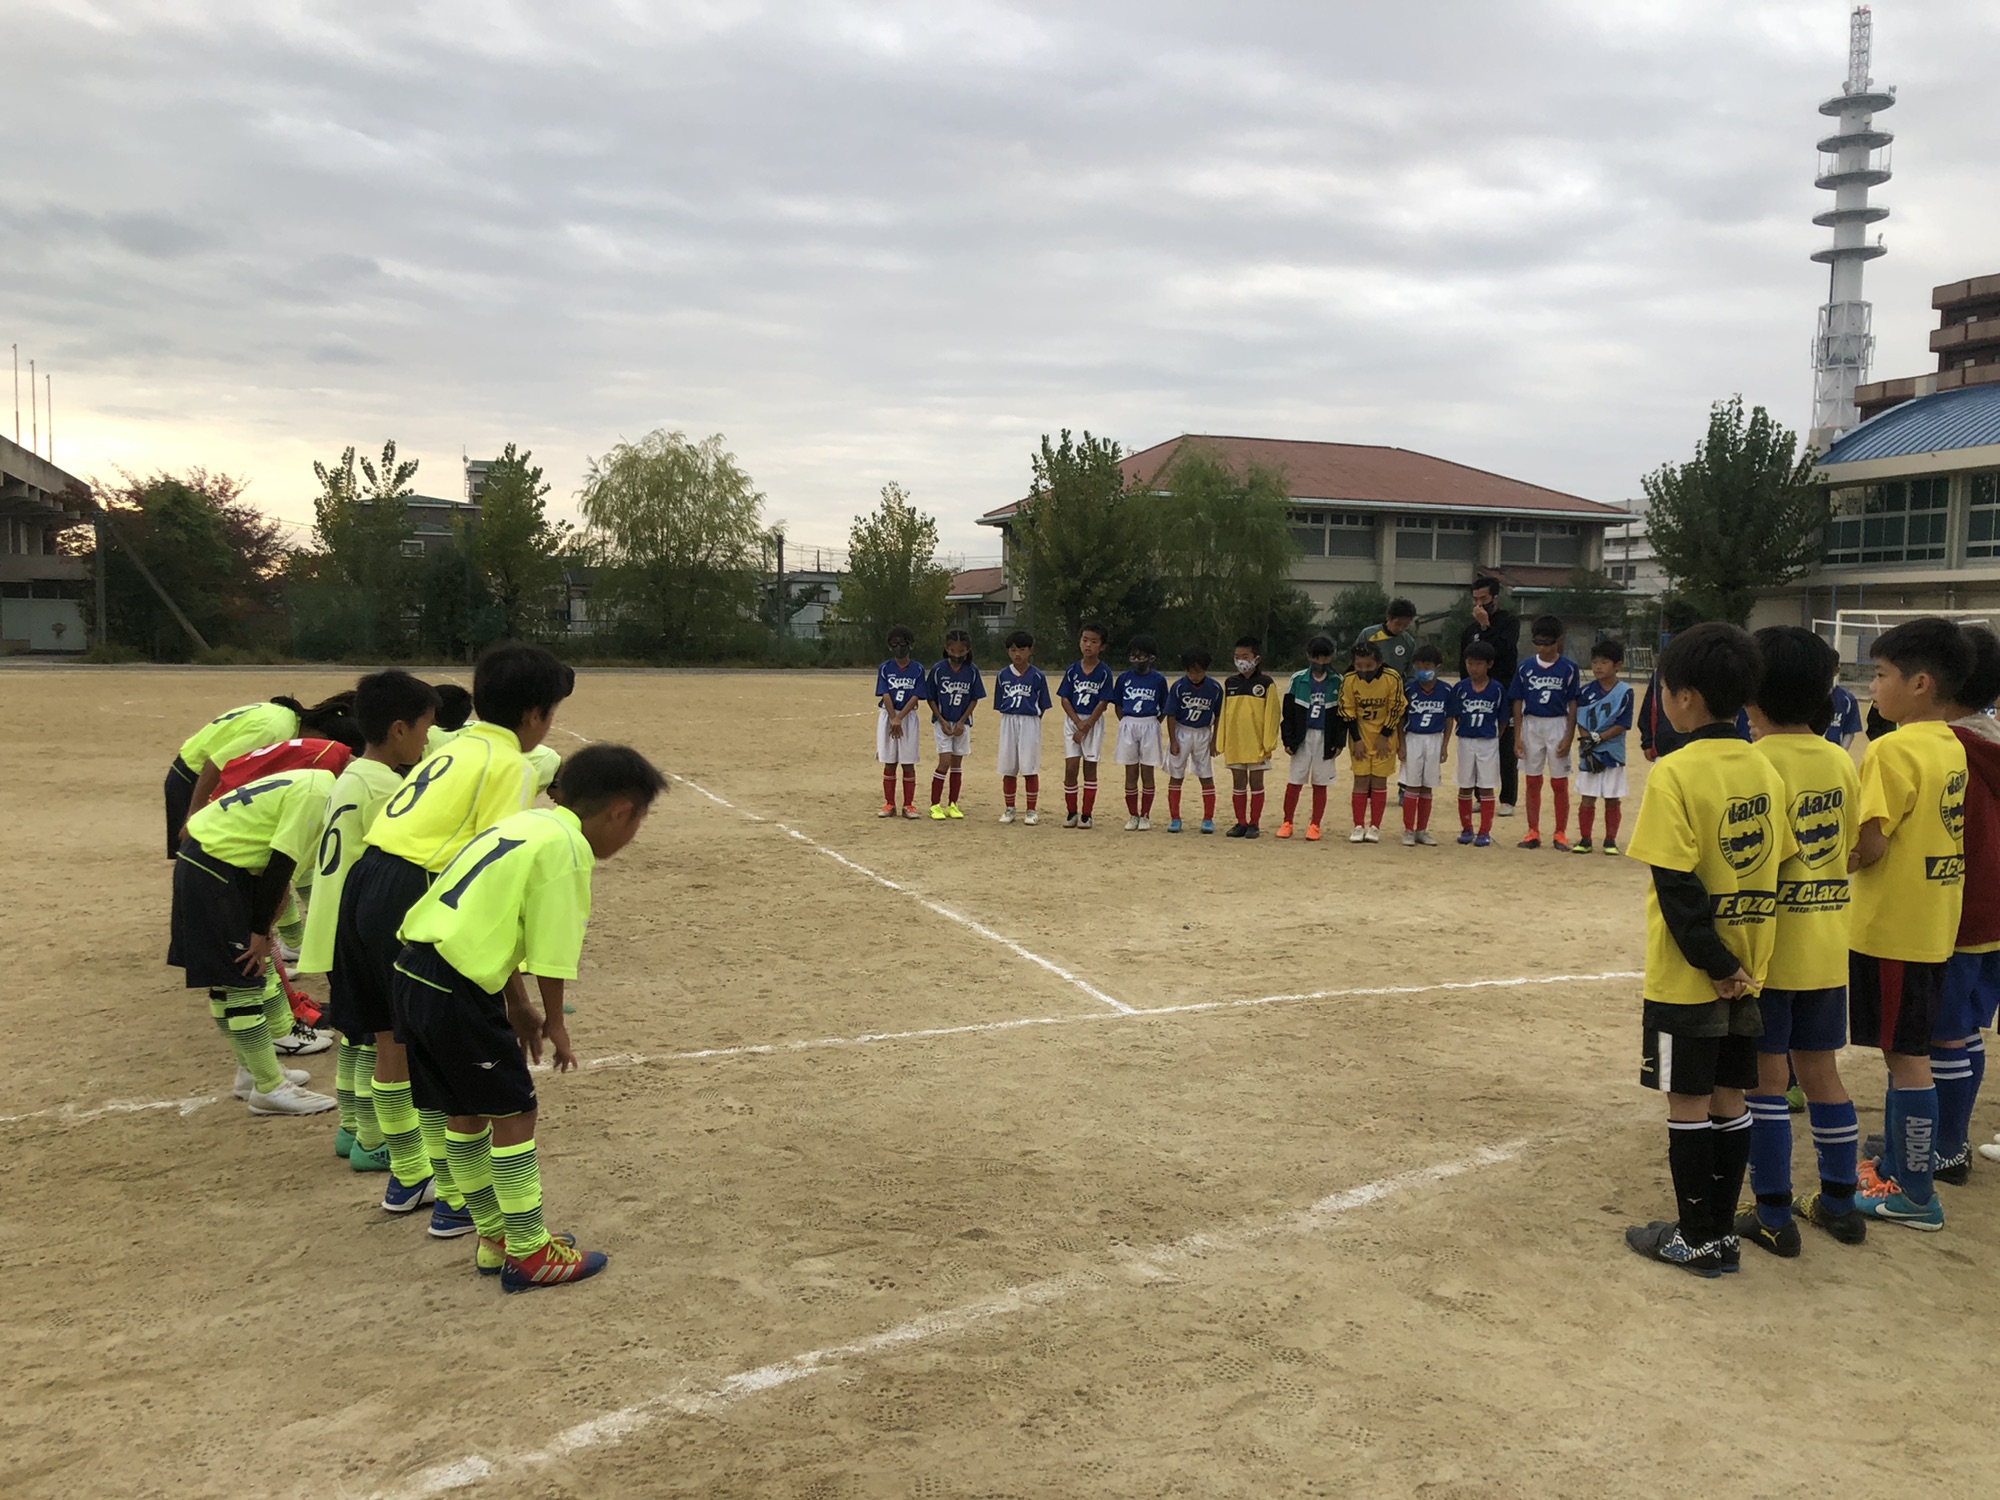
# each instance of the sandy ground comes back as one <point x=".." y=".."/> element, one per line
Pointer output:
<point x="1351" y="1243"/>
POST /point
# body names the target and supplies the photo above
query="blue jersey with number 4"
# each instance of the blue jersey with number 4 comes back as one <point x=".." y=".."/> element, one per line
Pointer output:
<point x="1430" y="706"/>
<point x="1475" y="712"/>
<point x="1021" y="692"/>
<point x="1545" y="690"/>
<point x="1140" y="695"/>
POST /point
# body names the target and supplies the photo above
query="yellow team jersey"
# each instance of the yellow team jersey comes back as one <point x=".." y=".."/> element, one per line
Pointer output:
<point x="460" y="790"/>
<point x="238" y="732"/>
<point x="1375" y="709"/>
<point x="517" y="897"/>
<point x="282" y="813"/>
<point x="1906" y="904"/>
<point x="544" y="763"/>
<point x="1715" y="809"/>
<point x="1821" y="795"/>
<point x="1247" y="730"/>
<point x="352" y="806"/>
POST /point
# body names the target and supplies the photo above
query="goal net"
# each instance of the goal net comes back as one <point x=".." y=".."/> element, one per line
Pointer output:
<point x="1853" y="631"/>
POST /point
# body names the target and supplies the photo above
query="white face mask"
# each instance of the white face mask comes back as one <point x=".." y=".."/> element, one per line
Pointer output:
<point x="1245" y="667"/>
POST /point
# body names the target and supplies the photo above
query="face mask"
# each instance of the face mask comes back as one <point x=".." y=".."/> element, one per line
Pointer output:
<point x="1245" y="667"/>
<point x="1426" y="674"/>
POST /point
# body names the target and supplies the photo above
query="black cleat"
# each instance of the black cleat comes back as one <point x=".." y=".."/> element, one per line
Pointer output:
<point x="1850" y="1228"/>
<point x="1783" y="1243"/>
<point x="1661" y="1240"/>
<point x="1252" y="831"/>
<point x="1237" y="831"/>
<point x="1957" y="1171"/>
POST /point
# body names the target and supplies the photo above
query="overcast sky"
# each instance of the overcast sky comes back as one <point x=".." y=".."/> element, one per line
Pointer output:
<point x="900" y="241"/>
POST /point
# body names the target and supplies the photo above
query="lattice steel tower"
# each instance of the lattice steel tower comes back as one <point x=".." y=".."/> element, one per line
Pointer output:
<point x="1852" y="160"/>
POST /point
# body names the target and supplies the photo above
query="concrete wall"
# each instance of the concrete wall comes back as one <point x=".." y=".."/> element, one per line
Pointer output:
<point x="41" y="625"/>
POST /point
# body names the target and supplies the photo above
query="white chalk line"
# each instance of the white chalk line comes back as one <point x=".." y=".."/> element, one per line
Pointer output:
<point x="1150" y="1264"/>
<point x="69" y="1114"/>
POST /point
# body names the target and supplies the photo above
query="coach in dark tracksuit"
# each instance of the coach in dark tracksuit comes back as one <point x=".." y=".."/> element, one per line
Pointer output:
<point x="1500" y="629"/>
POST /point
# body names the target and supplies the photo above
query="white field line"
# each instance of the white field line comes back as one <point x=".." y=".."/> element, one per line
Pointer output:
<point x="690" y="1399"/>
<point x="69" y="1114"/>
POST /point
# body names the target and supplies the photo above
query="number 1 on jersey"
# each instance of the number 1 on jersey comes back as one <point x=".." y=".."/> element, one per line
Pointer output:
<point x="500" y="846"/>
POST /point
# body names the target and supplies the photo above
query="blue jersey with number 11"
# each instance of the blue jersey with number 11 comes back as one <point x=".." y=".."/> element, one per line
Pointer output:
<point x="1475" y="712"/>
<point x="1021" y="692"/>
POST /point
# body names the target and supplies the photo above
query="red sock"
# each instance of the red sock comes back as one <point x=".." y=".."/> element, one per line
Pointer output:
<point x="1612" y="808"/>
<point x="1034" y="790"/>
<point x="937" y="787"/>
<point x="1465" y="811"/>
<point x="1560" y="786"/>
<point x="1208" y="803"/>
<point x="1319" y="805"/>
<point x="1377" y="800"/>
<point x="1586" y="816"/>
<point x="1291" y="799"/>
<point x="1241" y="801"/>
<point x="909" y="789"/>
<point x="957" y="779"/>
<point x="1132" y="801"/>
<point x="889" y="786"/>
<point x="1007" y="790"/>
<point x="1146" y="802"/>
<point x="1534" y="807"/>
<point x="1069" y="797"/>
<point x="1360" y="802"/>
<point x="1173" y="799"/>
<point x="1089" y="797"/>
<point x="1409" y="813"/>
<point x="1256" y="808"/>
<point x="1486" y="805"/>
<point x="1423" y="812"/>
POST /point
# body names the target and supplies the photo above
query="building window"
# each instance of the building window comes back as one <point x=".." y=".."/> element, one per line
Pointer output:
<point x="1982" y="538"/>
<point x="1333" y="533"/>
<point x="1444" y="538"/>
<point x="1548" y="544"/>
<point x="412" y="547"/>
<point x="1901" y="521"/>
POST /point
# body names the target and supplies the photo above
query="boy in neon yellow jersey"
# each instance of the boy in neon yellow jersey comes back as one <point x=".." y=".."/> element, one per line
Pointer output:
<point x="230" y="877"/>
<point x="516" y="899"/>
<point x="455" y="709"/>
<point x="395" y="711"/>
<point x="470" y="783"/>
<point x="192" y="777"/>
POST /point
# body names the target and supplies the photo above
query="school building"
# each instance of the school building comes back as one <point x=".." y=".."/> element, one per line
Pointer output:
<point x="41" y="590"/>
<point x="1408" y="523"/>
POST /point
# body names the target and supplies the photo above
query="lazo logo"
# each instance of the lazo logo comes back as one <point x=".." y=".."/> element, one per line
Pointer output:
<point x="1951" y="806"/>
<point x="1817" y="823"/>
<point x="1745" y="834"/>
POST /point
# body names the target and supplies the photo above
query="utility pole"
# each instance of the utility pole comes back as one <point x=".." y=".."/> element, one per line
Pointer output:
<point x="101" y="540"/>
<point x="17" y="395"/>
<point x="49" y="404"/>
<point x="34" y="416"/>
<point x="784" y="621"/>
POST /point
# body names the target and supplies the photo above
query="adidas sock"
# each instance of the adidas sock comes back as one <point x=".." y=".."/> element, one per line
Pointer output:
<point x="1069" y="797"/>
<point x="401" y="1133"/>
<point x="1836" y="1133"/>
<point x="517" y="1185"/>
<point x="1586" y="819"/>
<point x="343" y="1085"/>
<point x="1916" y="1140"/>
<point x="1559" y="786"/>
<point x="1319" y="806"/>
<point x="1256" y="809"/>
<point x="1770" y="1156"/>
<point x="1241" y="802"/>
<point x="1612" y="808"/>
<point x="1892" y="1153"/>
<point x="1486" y="808"/>
<point x="1534" y="807"/>
<point x="1691" y="1161"/>
<point x="1291" y="800"/>
<point x="1208" y="804"/>
<point x="367" y="1129"/>
<point x="1951" y="1074"/>
<point x="1034" y="790"/>
<point x="471" y="1159"/>
<point x="1465" y="812"/>
<point x="1378" y="800"/>
<point x="1732" y="1155"/>
<point x="240" y="1016"/>
<point x="1174" y="800"/>
<point x="957" y="779"/>
<point x="430" y="1129"/>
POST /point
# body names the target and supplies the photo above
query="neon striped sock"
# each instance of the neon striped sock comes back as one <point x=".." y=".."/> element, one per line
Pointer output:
<point x="343" y="1085"/>
<point x="240" y="1016"/>
<point x="431" y="1129"/>
<point x="517" y="1184"/>
<point x="472" y="1171"/>
<point x="401" y="1133"/>
<point x="277" y="1009"/>
<point x="367" y="1129"/>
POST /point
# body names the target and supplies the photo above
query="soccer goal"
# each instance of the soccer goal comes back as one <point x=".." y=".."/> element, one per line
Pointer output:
<point x="1853" y="631"/>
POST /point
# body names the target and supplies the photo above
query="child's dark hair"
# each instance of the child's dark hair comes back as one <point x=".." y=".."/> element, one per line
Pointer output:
<point x="1481" y="651"/>
<point x="1249" y="642"/>
<point x="1400" y="609"/>
<point x="1718" y="661"/>
<point x="1368" y="649"/>
<point x="1547" y="627"/>
<point x="454" y="706"/>
<point x="1931" y="645"/>
<point x="1021" y="639"/>
<point x="1796" y="685"/>
<point x="512" y="681"/>
<point x="384" y="699"/>
<point x="1096" y="628"/>
<point x="1428" y="652"/>
<point x="1320" y="645"/>
<point x="1143" y="645"/>
<point x="901" y="633"/>
<point x="598" y="775"/>
<point x="1982" y="683"/>
<point x="329" y="719"/>
<point x="1196" y="656"/>
<point x="1608" y="649"/>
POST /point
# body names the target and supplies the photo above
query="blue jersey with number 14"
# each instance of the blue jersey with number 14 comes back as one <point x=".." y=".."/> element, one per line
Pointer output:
<point x="1082" y="688"/>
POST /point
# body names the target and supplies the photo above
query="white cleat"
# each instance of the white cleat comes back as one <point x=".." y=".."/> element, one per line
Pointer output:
<point x="1132" y="824"/>
<point x="1991" y="1153"/>
<point x="1145" y="824"/>
<point x="1359" y="836"/>
<point x="1374" y="834"/>
<point x="1424" y="838"/>
<point x="291" y="1100"/>
<point x="1006" y="814"/>
<point x="246" y="1082"/>
<point x="301" y="1041"/>
<point x="1409" y="838"/>
<point x="286" y="953"/>
<point x="1032" y="816"/>
<point x="1505" y="809"/>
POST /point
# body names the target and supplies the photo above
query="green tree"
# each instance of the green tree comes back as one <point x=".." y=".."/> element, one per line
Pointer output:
<point x="517" y="549"/>
<point x="1352" y="612"/>
<point x="1743" y="515"/>
<point x="1075" y="548"/>
<point x="893" y="575"/>
<point x="1590" y="597"/>
<point x="457" y="616"/>
<point x="361" y="522"/>
<point x="1222" y="545"/>
<point x="677" y="527"/>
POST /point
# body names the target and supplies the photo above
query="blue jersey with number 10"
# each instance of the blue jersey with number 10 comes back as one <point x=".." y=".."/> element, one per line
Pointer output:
<point x="1476" y="711"/>
<point x="1194" y="705"/>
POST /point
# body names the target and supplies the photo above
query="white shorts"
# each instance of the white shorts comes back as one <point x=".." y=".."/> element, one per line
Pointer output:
<point x="902" y="750"/>
<point x="1311" y="762"/>
<point x="1086" y="748"/>
<point x="1609" y="782"/>
<point x="1423" y="760"/>
<point x="951" y="744"/>
<point x="1138" y="742"/>
<point x="1478" y="765"/>
<point x="1020" y="744"/>
<point x="1197" y="747"/>
<point x="1539" y="738"/>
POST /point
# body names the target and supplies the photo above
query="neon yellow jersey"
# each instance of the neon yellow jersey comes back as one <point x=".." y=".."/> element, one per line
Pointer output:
<point x="460" y="790"/>
<point x="352" y="806"/>
<point x="1906" y="904"/>
<point x="545" y="763"/>
<point x="517" y="897"/>
<point x="438" y="738"/>
<point x="283" y="813"/>
<point x="1715" y="809"/>
<point x="1821" y="795"/>
<point x="238" y="732"/>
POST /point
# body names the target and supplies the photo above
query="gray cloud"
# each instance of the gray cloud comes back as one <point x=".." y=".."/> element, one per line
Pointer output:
<point x="900" y="240"/>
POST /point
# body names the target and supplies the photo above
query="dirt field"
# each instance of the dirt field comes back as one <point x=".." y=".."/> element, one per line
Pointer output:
<point x="1022" y="1162"/>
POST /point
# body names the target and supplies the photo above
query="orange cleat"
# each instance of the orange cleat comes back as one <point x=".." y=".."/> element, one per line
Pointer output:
<point x="1285" y="829"/>
<point x="1312" y="833"/>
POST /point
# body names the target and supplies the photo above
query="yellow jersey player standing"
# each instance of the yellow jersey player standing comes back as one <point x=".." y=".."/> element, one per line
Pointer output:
<point x="516" y="899"/>
<point x="1371" y="699"/>
<point x="1713" y="829"/>
<point x="1909" y="874"/>
<point x="471" y="782"/>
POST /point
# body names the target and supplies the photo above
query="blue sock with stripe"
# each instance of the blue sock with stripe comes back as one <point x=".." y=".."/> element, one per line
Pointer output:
<point x="1951" y="1073"/>
<point x="1916" y="1141"/>
<point x="1771" y="1158"/>
<point x="1975" y="1052"/>
<point x="1836" y="1133"/>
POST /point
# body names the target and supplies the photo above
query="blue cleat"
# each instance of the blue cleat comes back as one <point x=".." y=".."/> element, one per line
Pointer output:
<point x="448" y="1223"/>
<point x="1888" y="1203"/>
<point x="1465" y="835"/>
<point x="1173" y="825"/>
<point x="1483" y="841"/>
<point x="397" y="1199"/>
<point x="1208" y="825"/>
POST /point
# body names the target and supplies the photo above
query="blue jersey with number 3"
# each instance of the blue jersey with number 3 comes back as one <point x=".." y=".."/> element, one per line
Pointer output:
<point x="1545" y="690"/>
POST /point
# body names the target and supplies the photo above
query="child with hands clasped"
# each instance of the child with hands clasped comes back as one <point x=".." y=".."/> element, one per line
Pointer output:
<point x="953" y="689"/>
<point x="1426" y="723"/>
<point x="1247" y="734"/>
<point x="1603" y="719"/>
<point x="1085" y="693"/>
<point x="1021" y="695"/>
<point x="1193" y="705"/>
<point x="1372" y="701"/>
<point x="899" y="688"/>
<point x="1140" y="695"/>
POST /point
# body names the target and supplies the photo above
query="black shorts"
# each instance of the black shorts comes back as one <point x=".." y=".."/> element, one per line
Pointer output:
<point x="1893" y="1003"/>
<point x="464" y="1056"/>
<point x="1697" y="1049"/>
<point x="210" y="928"/>
<point x="179" y="793"/>
<point x="380" y="890"/>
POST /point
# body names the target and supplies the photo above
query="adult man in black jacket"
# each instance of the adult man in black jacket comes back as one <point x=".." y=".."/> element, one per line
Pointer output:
<point x="1500" y="629"/>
